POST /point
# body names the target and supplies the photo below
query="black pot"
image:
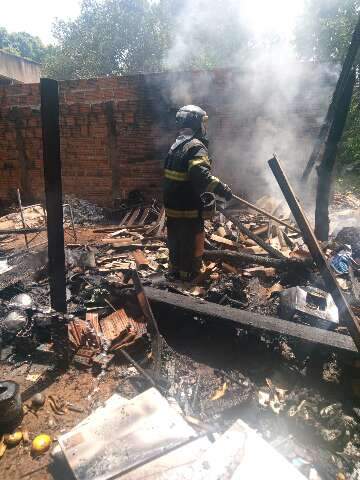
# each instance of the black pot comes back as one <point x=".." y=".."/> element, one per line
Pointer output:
<point x="11" y="411"/>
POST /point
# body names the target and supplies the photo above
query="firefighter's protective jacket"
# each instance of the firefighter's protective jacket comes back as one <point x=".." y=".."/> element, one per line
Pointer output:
<point x="187" y="175"/>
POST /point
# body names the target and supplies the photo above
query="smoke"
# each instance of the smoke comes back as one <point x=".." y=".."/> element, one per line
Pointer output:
<point x="269" y="101"/>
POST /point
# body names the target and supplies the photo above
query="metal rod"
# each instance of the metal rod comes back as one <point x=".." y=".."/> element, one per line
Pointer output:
<point x="345" y="313"/>
<point x="22" y="218"/>
<point x="267" y="214"/>
<point x="72" y="223"/>
<point x="49" y="92"/>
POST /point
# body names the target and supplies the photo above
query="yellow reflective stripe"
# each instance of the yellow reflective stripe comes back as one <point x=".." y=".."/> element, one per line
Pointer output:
<point x="199" y="161"/>
<point x="174" y="175"/>
<point x="181" y="213"/>
<point x="213" y="184"/>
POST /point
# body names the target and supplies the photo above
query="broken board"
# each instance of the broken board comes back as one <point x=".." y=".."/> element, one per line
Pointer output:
<point x="252" y="321"/>
<point x="124" y="437"/>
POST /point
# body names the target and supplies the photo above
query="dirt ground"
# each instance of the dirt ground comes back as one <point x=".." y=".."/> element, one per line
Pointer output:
<point x="80" y="388"/>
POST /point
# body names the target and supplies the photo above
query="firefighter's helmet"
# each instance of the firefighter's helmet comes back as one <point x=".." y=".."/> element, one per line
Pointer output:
<point x="191" y="116"/>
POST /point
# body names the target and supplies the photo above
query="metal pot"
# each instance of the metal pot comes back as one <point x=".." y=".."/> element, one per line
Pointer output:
<point x="11" y="411"/>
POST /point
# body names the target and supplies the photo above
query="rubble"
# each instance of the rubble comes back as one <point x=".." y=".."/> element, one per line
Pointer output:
<point x="350" y="236"/>
<point x="83" y="211"/>
<point x="113" y="340"/>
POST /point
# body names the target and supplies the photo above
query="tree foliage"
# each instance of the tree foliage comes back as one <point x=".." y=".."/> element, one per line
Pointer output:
<point x="324" y="34"/>
<point x="127" y="36"/>
<point x="324" y="31"/>
<point x="109" y="37"/>
<point x="22" y="44"/>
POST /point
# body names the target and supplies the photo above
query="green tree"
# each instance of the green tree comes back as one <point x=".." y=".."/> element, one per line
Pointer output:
<point x="109" y="37"/>
<point x="129" y="36"/>
<point x="22" y="44"/>
<point x="324" y="31"/>
<point x="324" y="34"/>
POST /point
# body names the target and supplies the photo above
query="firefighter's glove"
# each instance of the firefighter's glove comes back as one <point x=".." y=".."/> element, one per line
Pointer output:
<point x="223" y="191"/>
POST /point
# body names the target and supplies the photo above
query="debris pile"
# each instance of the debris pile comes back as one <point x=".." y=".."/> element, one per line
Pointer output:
<point x="83" y="211"/>
<point x="263" y="290"/>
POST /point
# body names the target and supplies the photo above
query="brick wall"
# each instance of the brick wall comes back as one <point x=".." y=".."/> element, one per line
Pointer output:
<point x="115" y="131"/>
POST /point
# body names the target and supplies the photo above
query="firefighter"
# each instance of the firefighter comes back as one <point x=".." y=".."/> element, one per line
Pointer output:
<point x="188" y="176"/>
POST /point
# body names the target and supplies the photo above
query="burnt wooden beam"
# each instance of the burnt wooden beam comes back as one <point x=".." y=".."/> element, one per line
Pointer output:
<point x="268" y="248"/>
<point x="22" y="231"/>
<point x="251" y="321"/>
<point x="156" y="341"/>
<point x="241" y="258"/>
<point x="346" y="315"/>
<point x="326" y="167"/>
<point x="335" y="102"/>
<point x="49" y="92"/>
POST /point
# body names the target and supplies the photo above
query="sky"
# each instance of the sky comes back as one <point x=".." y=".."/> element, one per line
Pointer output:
<point x="36" y="16"/>
<point x="267" y="16"/>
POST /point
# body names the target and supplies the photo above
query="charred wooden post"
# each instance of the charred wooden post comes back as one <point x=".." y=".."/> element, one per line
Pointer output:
<point x="49" y="92"/>
<point x="347" y="317"/>
<point x="53" y="197"/>
<point x="335" y="102"/>
<point x="326" y="168"/>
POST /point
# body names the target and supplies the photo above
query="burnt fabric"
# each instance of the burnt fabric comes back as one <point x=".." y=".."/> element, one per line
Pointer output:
<point x="184" y="238"/>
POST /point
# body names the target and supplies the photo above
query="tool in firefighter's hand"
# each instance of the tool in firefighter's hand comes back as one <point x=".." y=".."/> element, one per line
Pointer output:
<point x="223" y="191"/>
<point x="208" y="205"/>
<point x="267" y="214"/>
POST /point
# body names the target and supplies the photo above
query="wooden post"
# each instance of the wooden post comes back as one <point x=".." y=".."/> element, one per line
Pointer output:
<point x="335" y="102"/>
<point x="53" y="191"/>
<point x="346" y="316"/>
<point x="326" y="168"/>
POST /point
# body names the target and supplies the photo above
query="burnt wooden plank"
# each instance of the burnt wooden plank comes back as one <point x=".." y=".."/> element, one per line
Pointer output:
<point x="346" y="315"/>
<point x="252" y="321"/>
<point x="125" y="218"/>
<point x="242" y="258"/>
<point x="144" y="216"/>
<point x="133" y="217"/>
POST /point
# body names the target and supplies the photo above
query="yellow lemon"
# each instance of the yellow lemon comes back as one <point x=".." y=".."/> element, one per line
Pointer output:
<point x="13" y="439"/>
<point x="41" y="443"/>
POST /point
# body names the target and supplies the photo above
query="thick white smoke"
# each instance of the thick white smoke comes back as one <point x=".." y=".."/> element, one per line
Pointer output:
<point x="274" y="103"/>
